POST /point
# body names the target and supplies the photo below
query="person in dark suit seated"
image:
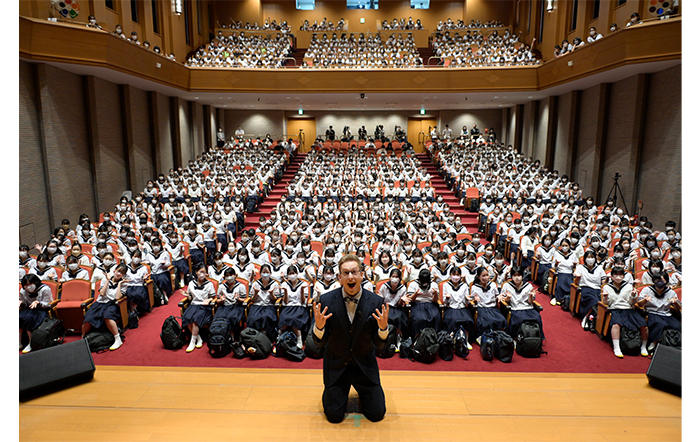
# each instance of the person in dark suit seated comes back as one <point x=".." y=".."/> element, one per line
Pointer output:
<point x="352" y="324"/>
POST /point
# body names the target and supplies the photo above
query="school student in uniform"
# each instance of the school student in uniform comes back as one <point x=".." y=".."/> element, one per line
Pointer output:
<point x="77" y="251"/>
<point x="198" y="314"/>
<point x="564" y="263"/>
<point x="43" y="270"/>
<point x="486" y="294"/>
<point x="423" y="296"/>
<point x="196" y="242"/>
<point x="231" y="298"/>
<point x="592" y="277"/>
<point x="385" y="265"/>
<point x="657" y="300"/>
<point x="262" y="314"/>
<point x="394" y="293"/>
<point x="520" y="296"/>
<point x="295" y="296"/>
<point x="545" y="259"/>
<point x="441" y="270"/>
<point x="25" y="260"/>
<point x="160" y="262"/>
<point x="244" y="268"/>
<point x="74" y="271"/>
<point x="327" y="282"/>
<point x="620" y="298"/>
<point x="217" y="268"/>
<point x="34" y="298"/>
<point x="104" y="311"/>
<point x="135" y="283"/>
<point x="455" y="295"/>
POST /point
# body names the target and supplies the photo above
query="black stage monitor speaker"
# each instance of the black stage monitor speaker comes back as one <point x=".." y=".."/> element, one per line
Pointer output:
<point x="54" y="368"/>
<point x="665" y="371"/>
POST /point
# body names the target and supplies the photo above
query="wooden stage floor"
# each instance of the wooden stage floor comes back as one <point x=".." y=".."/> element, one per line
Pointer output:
<point x="216" y="404"/>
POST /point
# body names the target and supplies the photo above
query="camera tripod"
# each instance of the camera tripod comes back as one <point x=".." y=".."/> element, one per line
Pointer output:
<point x="614" y="191"/>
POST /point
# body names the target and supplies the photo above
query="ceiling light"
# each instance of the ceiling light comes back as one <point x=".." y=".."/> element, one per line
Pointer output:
<point x="196" y="98"/>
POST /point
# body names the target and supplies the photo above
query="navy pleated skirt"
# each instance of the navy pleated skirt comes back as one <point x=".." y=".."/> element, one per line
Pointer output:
<point x="629" y="318"/>
<point x="454" y="317"/>
<point x="163" y="282"/>
<point x="263" y="318"/>
<point x="29" y="319"/>
<point x="398" y="317"/>
<point x="423" y="315"/>
<point x="295" y="316"/>
<point x="489" y="318"/>
<point x="139" y="296"/>
<point x="234" y="313"/>
<point x="589" y="300"/>
<point x="563" y="287"/>
<point x="197" y="314"/>
<point x="658" y="324"/>
<point x="99" y="311"/>
<point x="542" y="273"/>
<point x="517" y="317"/>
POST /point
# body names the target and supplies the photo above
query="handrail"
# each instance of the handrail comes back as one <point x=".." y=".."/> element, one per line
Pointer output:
<point x="290" y="58"/>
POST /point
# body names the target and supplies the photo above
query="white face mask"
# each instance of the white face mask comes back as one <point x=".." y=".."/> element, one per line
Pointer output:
<point x="23" y="255"/>
<point x="328" y="277"/>
<point x="31" y="288"/>
<point x="471" y="262"/>
<point x="51" y="249"/>
<point x="655" y="255"/>
<point x="292" y="278"/>
<point x="565" y="249"/>
<point x="265" y="275"/>
<point x="42" y="264"/>
<point x="108" y="262"/>
<point x="136" y="261"/>
<point x="499" y="262"/>
<point x="676" y="255"/>
<point x="443" y="262"/>
<point x="230" y="279"/>
<point x="417" y="259"/>
<point x="72" y="267"/>
<point x="590" y="261"/>
<point x="218" y="262"/>
<point x="455" y="278"/>
<point x="595" y="244"/>
<point x="306" y="248"/>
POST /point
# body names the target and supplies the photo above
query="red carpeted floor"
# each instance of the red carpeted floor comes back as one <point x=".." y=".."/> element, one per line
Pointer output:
<point x="569" y="348"/>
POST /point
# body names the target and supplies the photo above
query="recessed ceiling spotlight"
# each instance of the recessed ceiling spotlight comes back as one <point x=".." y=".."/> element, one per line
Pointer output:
<point x="196" y="98"/>
<point x="529" y="97"/>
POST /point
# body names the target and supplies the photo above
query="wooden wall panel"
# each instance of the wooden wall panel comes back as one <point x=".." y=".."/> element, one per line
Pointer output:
<point x="257" y="123"/>
<point x="144" y="164"/>
<point x="563" y="147"/>
<point x="540" y="124"/>
<point x="163" y="129"/>
<point x="587" y="158"/>
<point x="34" y="214"/>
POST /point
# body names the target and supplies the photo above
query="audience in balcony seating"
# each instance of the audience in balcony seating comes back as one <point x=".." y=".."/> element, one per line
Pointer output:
<point x="402" y="24"/>
<point x="358" y="51"/>
<point x="476" y="49"/>
<point x="242" y="50"/>
<point x="449" y="25"/>
<point x="325" y="25"/>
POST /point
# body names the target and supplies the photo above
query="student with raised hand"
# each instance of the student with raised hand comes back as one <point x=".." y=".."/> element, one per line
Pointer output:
<point x="620" y="297"/>
<point x="104" y="310"/>
<point x="34" y="299"/>
<point x="657" y="299"/>
<point x="198" y="314"/>
<point x="487" y="295"/>
<point x="520" y="296"/>
<point x="456" y="296"/>
<point x="231" y="298"/>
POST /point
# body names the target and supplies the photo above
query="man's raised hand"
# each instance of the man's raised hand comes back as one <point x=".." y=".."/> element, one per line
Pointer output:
<point x="321" y="316"/>
<point x="382" y="317"/>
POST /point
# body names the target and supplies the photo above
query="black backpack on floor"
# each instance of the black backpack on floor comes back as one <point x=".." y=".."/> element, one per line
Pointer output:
<point x="630" y="341"/>
<point x="133" y="320"/>
<point x="487" y="346"/>
<point x="503" y="350"/>
<point x="257" y="344"/>
<point x="286" y="346"/>
<point x="390" y="347"/>
<point x="446" y="349"/>
<point x="49" y="333"/>
<point x="529" y="340"/>
<point x="671" y="338"/>
<point x="461" y="348"/>
<point x="310" y="348"/>
<point x="426" y="347"/>
<point x="219" y="342"/>
<point x="171" y="334"/>
<point x="405" y="348"/>
<point x="159" y="297"/>
<point x="99" y="340"/>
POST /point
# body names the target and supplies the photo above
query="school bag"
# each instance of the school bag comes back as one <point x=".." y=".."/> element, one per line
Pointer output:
<point x="238" y="350"/>
<point x="159" y="297"/>
<point x="257" y="344"/>
<point x="529" y="340"/>
<point x="49" y="333"/>
<point x="504" y="346"/>
<point x="390" y="347"/>
<point x="426" y="346"/>
<point x="671" y="338"/>
<point x="405" y="348"/>
<point x="219" y="342"/>
<point x="286" y="346"/>
<point x="630" y="341"/>
<point x="171" y="334"/>
<point x="487" y="346"/>
<point x="446" y="346"/>
<point x="460" y="338"/>
<point x="250" y="205"/>
<point x="133" y="320"/>
<point x="565" y="303"/>
<point x="99" y="340"/>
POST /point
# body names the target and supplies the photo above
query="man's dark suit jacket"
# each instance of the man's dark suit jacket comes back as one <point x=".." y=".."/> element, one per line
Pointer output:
<point x="345" y="341"/>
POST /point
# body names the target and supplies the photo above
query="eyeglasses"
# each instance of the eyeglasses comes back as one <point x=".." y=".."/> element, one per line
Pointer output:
<point x="353" y="273"/>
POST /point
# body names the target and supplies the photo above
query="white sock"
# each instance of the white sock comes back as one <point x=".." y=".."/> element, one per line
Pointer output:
<point x="616" y="347"/>
<point x="644" y="344"/>
<point x="117" y="338"/>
